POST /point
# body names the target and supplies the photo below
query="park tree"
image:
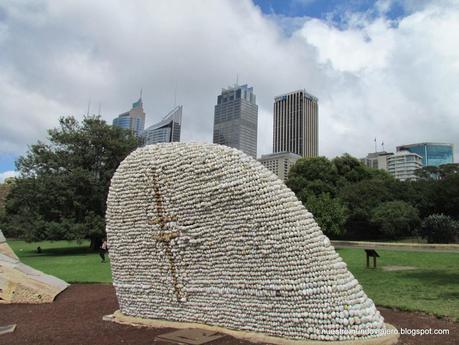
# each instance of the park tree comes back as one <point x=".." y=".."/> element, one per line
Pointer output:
<point x="439" y="228"/>
<point x="419" y="194"/>
<point x="312" y="176"/>
<point x="5" y="188"/>
<point x="346" y="187"/>
<point x="438" y="173"/>
<point x="314" y="181"/>
<point x="395" y="219"/>
<point x="350" y="169"/>
<point x="360" y="198"/>
<point x="446" y="170"/>
<point x="445" y="195"/>
<point x="329" y="213"/>
<point x="427" y="173"/>
<point x="63" y="184"/>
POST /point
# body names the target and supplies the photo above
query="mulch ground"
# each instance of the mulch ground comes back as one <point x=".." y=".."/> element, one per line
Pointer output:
<point x="76" y="318"/>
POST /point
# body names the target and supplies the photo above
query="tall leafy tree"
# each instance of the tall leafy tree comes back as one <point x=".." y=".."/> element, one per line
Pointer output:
<point x="350" y="169"/>
<point x="446" y="170"/>
<point x="314" y="182"/>
<point x="4" y="190"/>
<point x="312" y="176"/>
<point x="329" y="213"/>
<point x="360" y="198"/>
<point x="438" y="173"/>
<point x="63" y="184"/>
<point x="395" y="219"/>
<point x="446" y="196"/>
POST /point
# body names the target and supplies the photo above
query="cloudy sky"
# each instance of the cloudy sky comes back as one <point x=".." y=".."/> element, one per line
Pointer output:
<point x="387" y="69"/>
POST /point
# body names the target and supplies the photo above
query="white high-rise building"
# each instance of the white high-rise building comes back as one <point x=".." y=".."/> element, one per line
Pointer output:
<point x="403" y="165"/>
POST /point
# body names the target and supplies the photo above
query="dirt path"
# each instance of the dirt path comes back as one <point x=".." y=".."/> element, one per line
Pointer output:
<point x="75" y="318"/>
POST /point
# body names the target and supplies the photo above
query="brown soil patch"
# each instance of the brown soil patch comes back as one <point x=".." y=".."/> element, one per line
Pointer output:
<point x="398" y="268"/>
<point x="75" y="318"/>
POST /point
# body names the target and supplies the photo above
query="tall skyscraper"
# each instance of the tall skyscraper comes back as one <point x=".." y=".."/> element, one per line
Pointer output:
<point x="236" y="119"/>
<point x="167" y="130"/>
<point x="433" y="154"/>
<point x="296" y="124"/>
<point x="133" y="119"/>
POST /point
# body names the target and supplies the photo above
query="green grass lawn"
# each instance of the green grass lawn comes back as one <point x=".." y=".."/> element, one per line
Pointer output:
<point x="433" y="287"/>
<point x="71" y="261"/>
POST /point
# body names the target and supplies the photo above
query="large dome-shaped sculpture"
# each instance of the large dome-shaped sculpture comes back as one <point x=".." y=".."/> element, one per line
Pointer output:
<point x="203" y="233"/>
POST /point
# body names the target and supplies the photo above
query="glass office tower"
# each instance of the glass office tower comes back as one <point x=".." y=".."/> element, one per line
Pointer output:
<point x="167" y="130"/>
<point x="133" y="119"/>
<point x="433" y="154"/>
<point x="236" y="119"/>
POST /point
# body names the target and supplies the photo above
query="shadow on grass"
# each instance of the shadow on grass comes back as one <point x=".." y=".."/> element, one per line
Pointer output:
<point x="449" y="295"/>
<point x="437" y="277"/>
<point x="60" y="252"/>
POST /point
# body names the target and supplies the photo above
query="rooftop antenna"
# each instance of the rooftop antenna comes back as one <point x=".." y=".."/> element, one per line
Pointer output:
<point x="141" y="91"/>
<point x="376" y="149"/>
<point x="175" y="94"/>
<point x="237" y="78"/>
<point x="382" y="144"/>
<point x="89" y="107"/>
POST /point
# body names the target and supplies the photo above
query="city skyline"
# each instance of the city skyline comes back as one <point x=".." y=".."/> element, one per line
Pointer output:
<point x="369" y="83"/>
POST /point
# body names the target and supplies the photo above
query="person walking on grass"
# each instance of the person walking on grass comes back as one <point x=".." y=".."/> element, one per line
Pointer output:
<point x="103" y="249"/>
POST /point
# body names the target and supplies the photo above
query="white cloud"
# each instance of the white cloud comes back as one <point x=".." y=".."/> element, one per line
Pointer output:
<point x="395" y="83"/>
<point x="6" y="174"/>
<point x="373" y="77"/>
<point x="350" y="50"/>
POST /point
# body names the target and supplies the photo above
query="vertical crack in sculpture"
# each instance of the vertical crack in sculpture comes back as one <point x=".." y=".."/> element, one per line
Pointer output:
<point x="164" y="236"/>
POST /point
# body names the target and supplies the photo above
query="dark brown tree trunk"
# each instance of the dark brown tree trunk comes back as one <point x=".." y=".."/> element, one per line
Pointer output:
<point x="95" y="243"/>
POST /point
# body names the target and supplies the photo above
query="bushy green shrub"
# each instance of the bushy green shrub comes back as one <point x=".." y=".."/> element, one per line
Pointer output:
<point x="439" y="228"/>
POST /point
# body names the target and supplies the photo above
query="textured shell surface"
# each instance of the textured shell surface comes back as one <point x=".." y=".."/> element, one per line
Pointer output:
<point x="204" y="233"/>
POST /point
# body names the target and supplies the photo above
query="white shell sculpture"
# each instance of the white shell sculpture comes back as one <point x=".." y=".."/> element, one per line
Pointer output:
<point x="204" y="233"/>
<point x="20" y="283"/>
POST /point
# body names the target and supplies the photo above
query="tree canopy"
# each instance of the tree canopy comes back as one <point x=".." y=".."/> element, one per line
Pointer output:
<point x="350" y="200"/>
<point x="63" y="183"/>
<point x="395" y="219"/>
